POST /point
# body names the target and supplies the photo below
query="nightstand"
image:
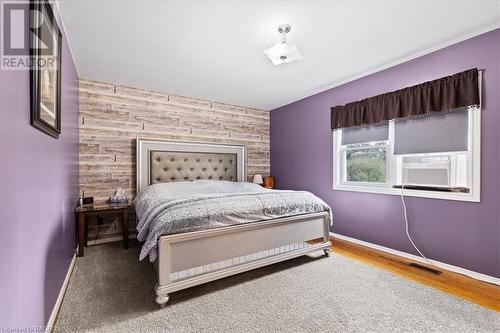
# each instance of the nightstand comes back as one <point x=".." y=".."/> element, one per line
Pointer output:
<point x="101" y="211"/>
<point x="269" y="182"/>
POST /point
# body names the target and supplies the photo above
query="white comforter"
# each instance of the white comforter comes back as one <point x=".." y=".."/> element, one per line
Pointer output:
<point x="178" y="207"/>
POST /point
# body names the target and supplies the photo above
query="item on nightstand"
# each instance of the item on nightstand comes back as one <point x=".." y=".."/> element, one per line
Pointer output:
<point x="88" y="200"/>
<point x="269" y="182"/>
<point x="119" y="198"/>
<point x="257" y="179"/>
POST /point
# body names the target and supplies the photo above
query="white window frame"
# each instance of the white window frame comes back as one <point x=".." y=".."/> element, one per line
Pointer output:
<point x="474" y="165"/>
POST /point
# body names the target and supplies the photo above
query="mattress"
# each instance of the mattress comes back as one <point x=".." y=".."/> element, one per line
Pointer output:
<point x="179" y="207"/>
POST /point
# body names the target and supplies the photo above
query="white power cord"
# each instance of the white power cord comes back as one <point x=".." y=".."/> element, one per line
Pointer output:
<point x="406" y="225"/>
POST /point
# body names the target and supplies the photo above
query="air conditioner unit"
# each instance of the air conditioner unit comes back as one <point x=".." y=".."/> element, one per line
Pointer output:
<point x="427" y="170"/>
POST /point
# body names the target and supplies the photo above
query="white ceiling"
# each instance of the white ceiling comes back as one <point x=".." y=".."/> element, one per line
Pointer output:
<point x="213" y="49"/>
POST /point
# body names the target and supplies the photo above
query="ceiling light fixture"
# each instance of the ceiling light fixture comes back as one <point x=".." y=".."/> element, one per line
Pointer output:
<point x="283" y="52"/>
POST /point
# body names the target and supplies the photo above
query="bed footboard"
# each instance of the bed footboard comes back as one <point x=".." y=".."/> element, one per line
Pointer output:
<point x="189" y="259"/>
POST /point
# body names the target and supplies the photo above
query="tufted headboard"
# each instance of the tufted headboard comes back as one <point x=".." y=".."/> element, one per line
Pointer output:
<point x="161" y="161"/>
<point x="168" y="166"/>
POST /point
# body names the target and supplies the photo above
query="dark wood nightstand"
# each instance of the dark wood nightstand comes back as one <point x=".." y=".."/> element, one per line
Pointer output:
<point x="101" y="211"/>
<point x="269" y="182"/>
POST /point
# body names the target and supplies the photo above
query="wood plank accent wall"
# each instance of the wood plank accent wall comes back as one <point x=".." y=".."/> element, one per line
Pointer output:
<point x="112" y="117"/>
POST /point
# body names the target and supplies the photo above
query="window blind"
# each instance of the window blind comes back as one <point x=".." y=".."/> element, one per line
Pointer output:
<point x="443" y="133"/>
<point x="365" y="134"/>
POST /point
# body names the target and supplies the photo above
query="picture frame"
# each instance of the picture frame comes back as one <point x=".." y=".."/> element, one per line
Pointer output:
<point x="45" y="41"/>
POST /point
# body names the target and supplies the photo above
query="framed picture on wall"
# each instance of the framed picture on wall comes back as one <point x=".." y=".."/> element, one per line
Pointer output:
<point x="45" y="73"/>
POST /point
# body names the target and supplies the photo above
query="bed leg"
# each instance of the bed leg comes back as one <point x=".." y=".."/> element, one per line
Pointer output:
<point x="327" y="252"/>
<point x="162" y="300"/>
<point x="161" y="297"/>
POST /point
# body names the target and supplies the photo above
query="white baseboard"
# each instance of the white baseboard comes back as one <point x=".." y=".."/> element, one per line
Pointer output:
<point x="456" y="269"/>
<point x="53" y="315"/>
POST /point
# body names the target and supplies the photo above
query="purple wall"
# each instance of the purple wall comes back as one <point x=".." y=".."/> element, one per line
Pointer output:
<point x="459" y="233"/>
<point x="38" y="191"/>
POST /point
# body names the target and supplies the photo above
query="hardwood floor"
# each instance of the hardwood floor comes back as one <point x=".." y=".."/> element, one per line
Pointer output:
<point x="476" y="291"/>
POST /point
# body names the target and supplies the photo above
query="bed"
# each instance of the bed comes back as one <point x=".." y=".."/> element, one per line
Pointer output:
<point x="200" y="221"/>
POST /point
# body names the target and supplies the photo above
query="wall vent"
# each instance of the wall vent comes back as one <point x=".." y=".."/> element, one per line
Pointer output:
<point x="425" y="268"/>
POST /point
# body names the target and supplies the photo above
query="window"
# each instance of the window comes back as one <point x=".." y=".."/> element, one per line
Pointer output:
<point x="365" y="154"/>
<point x="422" y="154"/>
<point x="366" y="163"/>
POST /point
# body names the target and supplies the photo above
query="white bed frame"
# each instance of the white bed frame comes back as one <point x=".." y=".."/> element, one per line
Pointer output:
<point x="189" y="259"/>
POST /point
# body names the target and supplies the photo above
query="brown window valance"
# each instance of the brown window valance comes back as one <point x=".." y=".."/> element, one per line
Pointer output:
<point x="439" y="95"/>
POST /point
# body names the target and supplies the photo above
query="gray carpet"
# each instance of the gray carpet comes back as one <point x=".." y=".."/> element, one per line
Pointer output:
<point x="110" y="291"/>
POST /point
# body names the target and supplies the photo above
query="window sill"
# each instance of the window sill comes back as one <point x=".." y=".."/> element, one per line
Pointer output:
<point x="470" y="197"/>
